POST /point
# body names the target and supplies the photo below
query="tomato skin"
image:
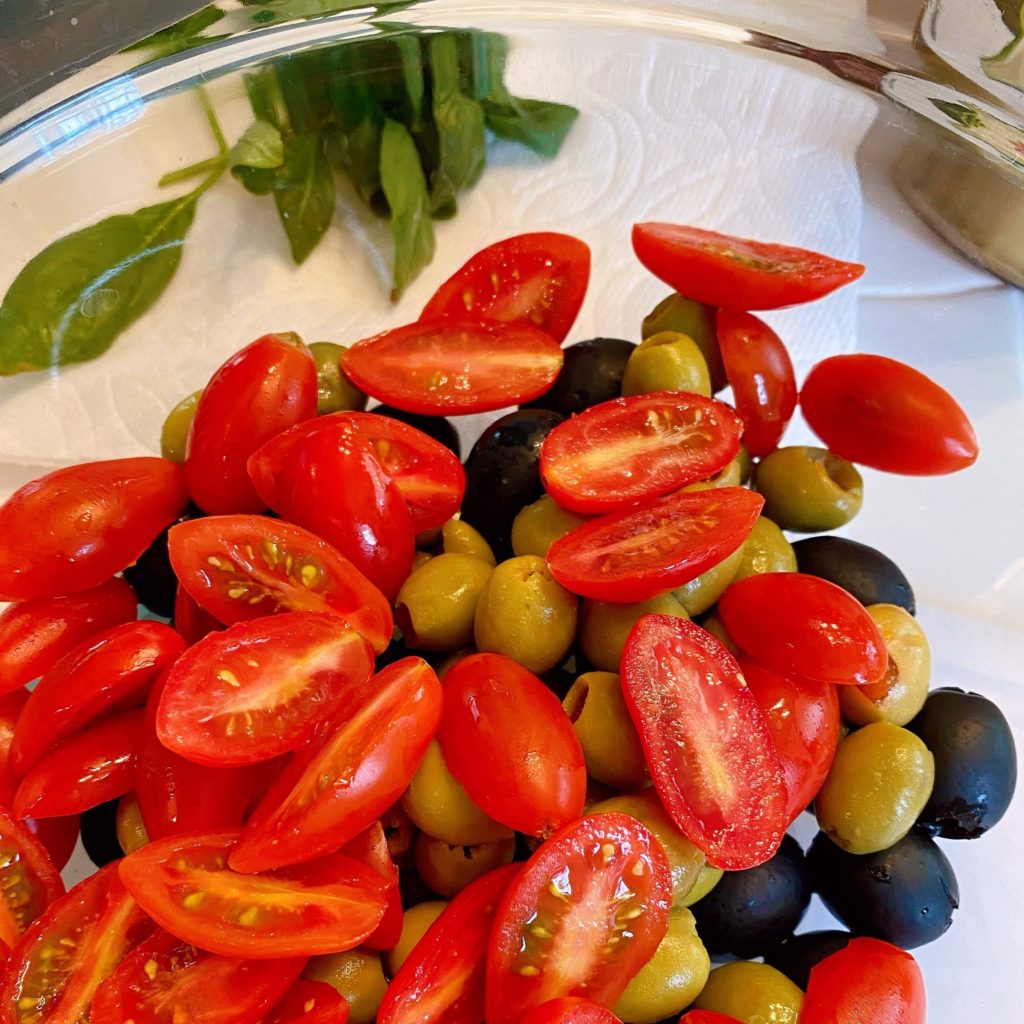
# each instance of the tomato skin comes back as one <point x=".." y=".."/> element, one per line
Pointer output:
<point x="633" y="555"/>
<point x="737" y="273"/>
<point x="707" y="745"/>
<point x="455" y="365"/>
<point x="191" y="621"/>
<point x="593" y="859"/>
<point x="569" y="1010"/>
<point x="802" y="624"/>
<point x="761" y="375"/>
<point x="289" y="569"/>
<point x="869" y="980"/>
<point x="59" y="837"/>
<point x="327" y="905"/>
<point x="310" y="1002"/>
<point x="11" y="705"/>
<point x="508" y="741"/>
<point x="34" y="635"/>
<point x="594" y="462"/>
<point x="370" y="847"/>
<point x="44" y="549"/>
<point x="442" y="979"/>
<point x="707" y="1017"/>
<point x="30" y="880"/>
<point x="884" y="414"/>
<point x="369" y="759"/>
<point x="538" y="278"/>
<point x="265" y="388"/>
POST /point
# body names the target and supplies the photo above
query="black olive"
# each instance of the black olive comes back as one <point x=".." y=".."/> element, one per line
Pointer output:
<point x="905" y="895"/>
<point x="750" y="911"/>
<point x="503" y="474"/>
<point x="872" y="578"/>
<point x="799" y="953"/>
<point x="591" y="373"/>
<point x="99" y="833"/>
<point x="975" y="763"/>
<point x="436" y="427"/>
<point x="152" y="577"/>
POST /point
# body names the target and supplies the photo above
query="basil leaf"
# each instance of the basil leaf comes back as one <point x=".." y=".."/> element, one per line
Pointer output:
<point x="276" y="12"/>
<point x="304" y="193"/>
<point x="182" y="35"/>
<point x="538" y="124"/>
<point x="261" y="146"/>
<point x="71" y="300"/>
<point x="405" y="188"/>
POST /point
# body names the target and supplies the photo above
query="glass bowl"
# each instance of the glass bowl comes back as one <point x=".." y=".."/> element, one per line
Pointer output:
<point x="839" y="130"/>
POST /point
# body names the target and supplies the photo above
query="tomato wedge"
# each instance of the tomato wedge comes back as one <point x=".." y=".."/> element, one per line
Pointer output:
<point x="29" y="881"/>
<point x="737" y="273"/>
<point x="538" y="278"/>
<point x="167" y="981"/>
<point x="569" y="1010"/>
<point x="245" y="567"/>
<point x="259" y="688"/>
<point x="442" y="978"/>
<point x="191" y="621"/>
<point x="58" y="836"/>
<point x="707" y="1017"/>
<point x="11" y="705"/>
<point x="310" y="1002"/>
<point x="455" y="366"/>
<point x="184" y="884"/>
<point x="584" y="915"/>
<point x="622" y="452"/>
<point x="344" y="780"/>
<point x="370" y="847"/>
<point x="633" y="555"/>
<point x="708" y="747"/>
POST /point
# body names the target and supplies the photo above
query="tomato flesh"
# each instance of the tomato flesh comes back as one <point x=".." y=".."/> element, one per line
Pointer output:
<point x="310" y="1002"/>
<point x="569" y="1010"/>
<point x="625" y="451"/>
<point x="370" y="847"/>
<point x="29" y="881"/>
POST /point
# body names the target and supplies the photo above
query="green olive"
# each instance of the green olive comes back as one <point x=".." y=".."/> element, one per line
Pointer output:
<point x="713" y="623"/>
<point x="695" y="320"/>
<point x="448" y="869"/>
<point x="708" y="878"/>
<point x="671" y="979"/>
<point x="753" y="994"/>
<point x="334" y="391"/>
<point x="700" y="594"/>
<point x="808" y="489"/>
<point x="437" y="804"/>
<point x="901" y="694"/>
<point x="419" y="558"/>
<point x="746" y="464"/>
<point x="459" y="538"/>
<point x="174" y="433"/>
<point x="604" y="627"/>
<point x="415" y="922"/>
<point x="131" y="829"/>
<point x="611" y="746"/>
<point x="437" y="604"/>
<point x="684" y="859"/>
<point x="525" y="614"/>
<point x="358" y="975"/>
<point x="539" y="525"/>
<point x="765" y="550"/>
<point x="667" y="361"/>
<point x="879" y="782"/>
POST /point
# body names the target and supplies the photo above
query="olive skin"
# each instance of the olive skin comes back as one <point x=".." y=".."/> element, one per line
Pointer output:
<point x="800" y="953"/>
<point x="975" y="763"/>
<point x="436" y="427"/>
<point x="872" y="578"/>
<point x="99" y="833"/>
<point x="751" y="911"/>
<point x="153" y="579"/>
<point x="591" y="373"/>
<point x="503" y="474"/>
<point x="905" y="895"/>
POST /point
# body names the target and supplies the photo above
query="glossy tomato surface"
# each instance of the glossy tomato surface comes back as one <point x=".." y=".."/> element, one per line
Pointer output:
<point x="310" y="1002"/>
<point x="707" y="1017"/>
<point x="370" y="847"/>
<point x="58" y="836"/>
<point x="707" y="745"/>
<point x="11" y="705"/>
<point x="569" y="1010"/>
<point x="191" y="621"/>
<point x="29" y="880"/>
<point x="620" y="453"/>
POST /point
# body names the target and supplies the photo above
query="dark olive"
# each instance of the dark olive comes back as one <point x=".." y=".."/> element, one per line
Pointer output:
<point x="99" y="833"/>
<point x="750" y="911"/>
<point x="395" y="651"/>
<point x="872" y="578"/>
<point x="799" y="953"/>
<point x="153" y="579"/>
<point x="591" y="373"/>
<point x="503" y="474"/>
<point x="436" y="427"/>
<point x="975" y="763"/>
<point x="905" y="895"/>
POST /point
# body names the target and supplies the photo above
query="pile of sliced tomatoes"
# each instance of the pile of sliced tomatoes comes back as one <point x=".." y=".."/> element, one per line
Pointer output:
<point x="265" y="744"/>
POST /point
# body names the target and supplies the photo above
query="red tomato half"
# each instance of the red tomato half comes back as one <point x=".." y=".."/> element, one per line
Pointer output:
<point x="191" y="621"/>
<point x="29" y="881"/>
<point x="737" y="273"/>
<point x="584" y="915"/>
<point x="346" y="778"/>
<point x="538" y="278"/>
<point x="708" y="747"/>
<point x="71" y="530"/>
<point x="258" y="689"/>
<point x="59" y="964"/>
<point x="59" y="836"/>
<point x="805" y="625"/>
<point x="113" y="671"/>
<point x="761" y="375"/>
<point x="370" y="847"/>
<point x="167" y="981"/>
<point x="245" y="567"/>
<point x="622" y="452"/>
<point x="34" y="635"/>
<point x="887" y="415"/>
<point x="310" y="1002"/>
<point x="442" y="978"/>
<point x="506" y="738"/>
<point x="633" y="555"/>
<point x="265" y="388"/>
<point x="324" y="906"/>
<point x="804" y="720"/>
<point x="569" y="1010"/>
<point x="869" y="980"/>
<point x="707" y="1017"/>
<point x="11" y="705"/>
<point x="455" y="366"/>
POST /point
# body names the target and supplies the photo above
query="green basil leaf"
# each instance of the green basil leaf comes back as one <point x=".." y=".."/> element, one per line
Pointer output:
<point x="182" y="35"/>
<point x="71" y="300"/>
<point x="405" y="188"/>
<point x="304" y="194"/>
<point x="266" y="100"/>
<point x="257" y="180"/>
<point x="538" y="124"/>
<point x="261" y="146"/>
<point x="276" y="12"/>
